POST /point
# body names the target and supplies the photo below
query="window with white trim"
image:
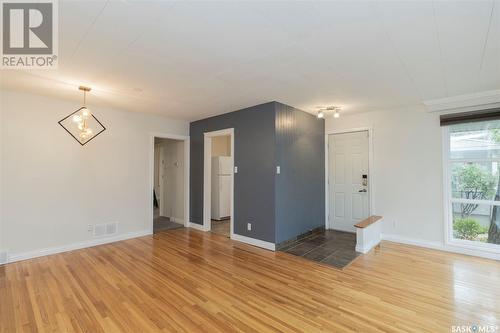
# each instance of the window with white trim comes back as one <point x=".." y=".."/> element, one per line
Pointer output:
<point x="472" y="168"/>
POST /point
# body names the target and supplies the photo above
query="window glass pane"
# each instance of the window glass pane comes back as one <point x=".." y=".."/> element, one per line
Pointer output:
<point x="477" y="223"/>
<point x="475" y="140"/>
<point x="475" y="181"/>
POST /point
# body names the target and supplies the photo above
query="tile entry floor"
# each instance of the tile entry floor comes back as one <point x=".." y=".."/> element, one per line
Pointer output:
<point x="162" y="223"/>
<point x="331" y="247"/>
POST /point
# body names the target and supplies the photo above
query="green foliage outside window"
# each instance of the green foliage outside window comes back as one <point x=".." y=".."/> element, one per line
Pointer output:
<point x="467" y="228"/>
<point x="474" y="182"/>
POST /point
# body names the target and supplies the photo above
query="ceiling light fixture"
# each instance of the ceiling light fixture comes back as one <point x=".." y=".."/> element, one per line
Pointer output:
<point x="337" y="113"/>
<point x="82" y="125"/>
<point x="323" y="111"/>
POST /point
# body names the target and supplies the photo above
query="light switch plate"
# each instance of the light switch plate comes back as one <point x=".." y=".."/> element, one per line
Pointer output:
<point x="249" y="226"/>
<point x="278" y="170"/>
<point x="235" y="169"/>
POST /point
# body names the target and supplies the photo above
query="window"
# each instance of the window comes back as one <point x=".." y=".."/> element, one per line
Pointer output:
<point x="472" y="169"/>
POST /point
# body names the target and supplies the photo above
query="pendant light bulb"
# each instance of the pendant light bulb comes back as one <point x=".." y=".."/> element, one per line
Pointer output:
<point x="86" y="113"/>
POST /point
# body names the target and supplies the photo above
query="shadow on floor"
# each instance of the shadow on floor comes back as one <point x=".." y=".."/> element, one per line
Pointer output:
<point x="331" y="247"/>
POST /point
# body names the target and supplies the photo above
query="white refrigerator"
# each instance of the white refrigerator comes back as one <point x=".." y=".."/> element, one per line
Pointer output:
<point x="221" y="187"/>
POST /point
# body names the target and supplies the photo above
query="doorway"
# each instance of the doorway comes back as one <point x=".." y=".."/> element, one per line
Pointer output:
<point x="218" y="182"/>
<point x="169" y="190"/>
<point x="349" y="199"/>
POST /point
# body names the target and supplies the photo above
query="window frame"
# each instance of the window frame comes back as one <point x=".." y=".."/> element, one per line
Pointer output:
<point x="448" y="201"/>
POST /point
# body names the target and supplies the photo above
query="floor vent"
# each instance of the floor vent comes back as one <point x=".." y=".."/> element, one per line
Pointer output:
<point x="105" y="229"/>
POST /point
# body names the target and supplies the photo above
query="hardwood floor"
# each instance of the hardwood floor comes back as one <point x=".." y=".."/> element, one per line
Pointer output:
<point x="189" y="281"/>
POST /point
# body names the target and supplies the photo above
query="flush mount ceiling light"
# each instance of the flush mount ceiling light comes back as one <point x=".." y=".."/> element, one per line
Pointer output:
<point x="323" y="110"/>
<point x="82" y="125"/>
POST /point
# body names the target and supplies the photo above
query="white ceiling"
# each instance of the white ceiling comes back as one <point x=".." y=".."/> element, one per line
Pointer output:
<point x="191" y="60"/>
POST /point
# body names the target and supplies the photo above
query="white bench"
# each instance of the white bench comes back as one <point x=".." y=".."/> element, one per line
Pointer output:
<point x="368" y="233"/>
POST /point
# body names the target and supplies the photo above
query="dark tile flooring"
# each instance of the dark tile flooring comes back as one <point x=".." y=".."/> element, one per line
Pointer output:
<point x="161" y="223"/>
<point x="329" y="247"/>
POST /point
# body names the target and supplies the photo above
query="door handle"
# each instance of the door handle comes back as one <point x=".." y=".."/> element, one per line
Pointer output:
<point x="363" y="190"/>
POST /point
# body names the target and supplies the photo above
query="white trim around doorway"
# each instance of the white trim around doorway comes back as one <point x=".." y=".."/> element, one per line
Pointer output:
<point x="371" y="174"/>
<point x="149" y="195"/>
<point x="207" y="178"/>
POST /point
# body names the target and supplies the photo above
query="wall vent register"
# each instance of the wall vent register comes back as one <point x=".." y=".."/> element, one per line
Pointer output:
<point x="105" y="229"/>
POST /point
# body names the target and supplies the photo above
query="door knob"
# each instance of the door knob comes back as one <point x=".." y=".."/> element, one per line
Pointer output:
<point x="363" y="190"/>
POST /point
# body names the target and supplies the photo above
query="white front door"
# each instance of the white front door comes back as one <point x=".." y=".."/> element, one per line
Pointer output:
<point x="349" y="195"/>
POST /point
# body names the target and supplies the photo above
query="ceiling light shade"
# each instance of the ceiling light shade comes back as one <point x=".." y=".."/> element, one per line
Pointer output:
<point x="321" y="114"/>
<point x="82" y="125"/>
<point x="336" y="114"/>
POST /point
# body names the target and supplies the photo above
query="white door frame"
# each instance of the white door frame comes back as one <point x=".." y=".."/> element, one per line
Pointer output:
<point x="161" y="194"/>
<point x="207" y="179"/>
<point x="149" y="195"/>
<point x="371" y="178"/>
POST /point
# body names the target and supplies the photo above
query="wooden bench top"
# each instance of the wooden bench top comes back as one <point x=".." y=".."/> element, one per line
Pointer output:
<point x="369" y="220"/>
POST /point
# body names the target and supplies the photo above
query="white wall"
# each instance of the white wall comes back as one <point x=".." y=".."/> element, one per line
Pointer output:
<point x="408" y="180"/>
<point x="156" y="180"/>
<point x="53" y="188"/>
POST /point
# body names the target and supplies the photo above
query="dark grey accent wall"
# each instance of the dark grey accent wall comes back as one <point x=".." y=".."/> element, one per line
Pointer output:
<point x="300" y="186"/>
<point x="254" y="146"/>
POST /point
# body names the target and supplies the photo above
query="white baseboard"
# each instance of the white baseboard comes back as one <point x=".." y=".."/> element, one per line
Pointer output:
<point x="254" y="242"/>
<point x="361" y="250"/>
<point x="440" y="246"/>
<point x="366" y="248"/>
<point x="239" y="238"/>
<point x="177" y="220"/>
<point x="4" y="257"/>
<point x="76" y="246"/>
<point x="197" y="226"/>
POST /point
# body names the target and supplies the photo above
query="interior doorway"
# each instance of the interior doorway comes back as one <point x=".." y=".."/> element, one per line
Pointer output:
<point x="169" y="183"/>
<point x="218" y="182"/>
<point x="348" y="179"/>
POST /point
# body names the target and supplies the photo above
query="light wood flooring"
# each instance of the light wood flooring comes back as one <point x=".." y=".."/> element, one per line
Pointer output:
<point x="188" y="281"/>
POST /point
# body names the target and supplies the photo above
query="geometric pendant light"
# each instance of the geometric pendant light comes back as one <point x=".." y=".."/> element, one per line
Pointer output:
<point x="82" y="125"/>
